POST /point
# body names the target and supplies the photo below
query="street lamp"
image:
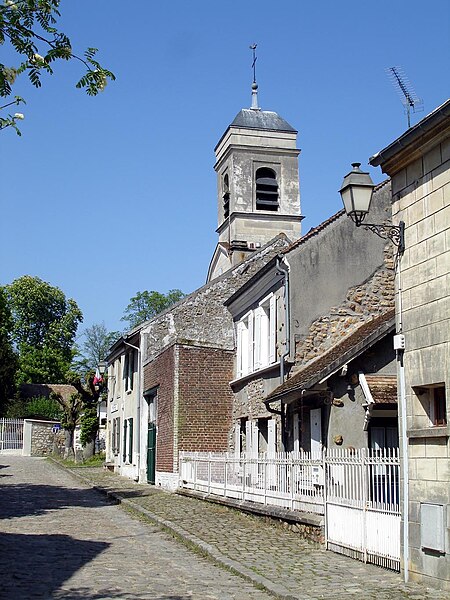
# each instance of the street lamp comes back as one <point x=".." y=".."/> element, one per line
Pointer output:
<point x="102" y="367"/>
<point x="356" y="192"/>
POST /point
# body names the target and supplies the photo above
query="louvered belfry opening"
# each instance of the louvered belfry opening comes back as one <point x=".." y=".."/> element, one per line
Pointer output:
<point x="226" y="197"/>
<point x="266" y="189"/>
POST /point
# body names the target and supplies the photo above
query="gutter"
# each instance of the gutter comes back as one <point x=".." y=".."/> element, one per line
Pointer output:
<point x="411" y="135"/>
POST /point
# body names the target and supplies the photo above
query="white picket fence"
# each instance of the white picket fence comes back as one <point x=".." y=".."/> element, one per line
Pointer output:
<point x="356" y="490"/>
<point x="11" y="435"/>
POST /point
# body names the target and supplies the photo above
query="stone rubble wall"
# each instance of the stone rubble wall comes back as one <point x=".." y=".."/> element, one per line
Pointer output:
<point x="363" y="302"/>
<point x="202" y="317"/>
<point x="43" y="440"/>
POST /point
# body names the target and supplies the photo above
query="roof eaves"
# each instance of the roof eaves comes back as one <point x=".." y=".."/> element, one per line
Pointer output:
<point x="410" y="136"/>
<point x="388" y="323"/>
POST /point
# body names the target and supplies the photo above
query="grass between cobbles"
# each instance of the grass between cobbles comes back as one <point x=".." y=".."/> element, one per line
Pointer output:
<point x="94" y="461"/>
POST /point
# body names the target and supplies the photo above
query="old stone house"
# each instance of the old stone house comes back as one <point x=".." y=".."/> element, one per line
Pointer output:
<point x="331" y="288"/>
<point x="419" y="164"/>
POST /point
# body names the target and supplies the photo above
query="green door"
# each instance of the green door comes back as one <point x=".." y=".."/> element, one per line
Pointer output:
<point x="151" y="452"/>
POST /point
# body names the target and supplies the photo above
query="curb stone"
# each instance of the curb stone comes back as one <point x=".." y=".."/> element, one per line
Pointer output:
<point x="276" y="590"/>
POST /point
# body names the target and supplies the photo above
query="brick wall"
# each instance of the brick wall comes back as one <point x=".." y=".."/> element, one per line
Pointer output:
<point x="205" y="398"/>
<point x="160" y="372"/>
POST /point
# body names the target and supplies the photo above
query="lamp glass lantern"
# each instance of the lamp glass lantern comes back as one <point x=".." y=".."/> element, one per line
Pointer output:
<point x="356" y="193"/>
<point x="102" y="367"/>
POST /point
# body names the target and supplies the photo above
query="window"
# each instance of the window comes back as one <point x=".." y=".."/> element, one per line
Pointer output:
<point x="128" y="371"/>
<point x="127" y="448"/>
<point x="226" y="196"/>
<point x="130" y="440"/>
<point x="438" y="408"/>
<point x="115" y="442"/>
<point x="266" y="189"/>
<point x="429" y="410"/>
<point x="256" y="337"/>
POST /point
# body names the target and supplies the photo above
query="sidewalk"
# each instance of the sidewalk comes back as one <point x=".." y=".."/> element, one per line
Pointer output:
<point x="273" y="558"/>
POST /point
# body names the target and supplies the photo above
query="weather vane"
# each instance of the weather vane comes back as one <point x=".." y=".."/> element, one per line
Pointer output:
<point x="253" y="48"/>
<point x="254" y="84"/>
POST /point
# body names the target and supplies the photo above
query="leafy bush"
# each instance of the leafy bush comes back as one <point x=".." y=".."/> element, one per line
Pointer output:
<point x="35" y="408"/>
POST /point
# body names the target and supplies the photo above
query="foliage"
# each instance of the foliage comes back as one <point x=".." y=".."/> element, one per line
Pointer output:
<point x="40" y="407"/>
<point x="94" y="349"/>
<point x="44" y="325"/>
<point x="89" y="395"/>
<point x="8" y="359"/>
<point x="89" y="424"/>
<point x="146" y="305"/>
<point x="93" y="461"/>
<point x="71" y="407"/>
<point x="29" y="27"/>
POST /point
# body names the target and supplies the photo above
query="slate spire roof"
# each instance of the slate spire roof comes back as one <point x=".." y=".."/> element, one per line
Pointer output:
<point x="250" y="118"/>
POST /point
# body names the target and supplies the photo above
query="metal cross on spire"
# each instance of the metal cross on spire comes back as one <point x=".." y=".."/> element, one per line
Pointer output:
<point x="254" y="84"/>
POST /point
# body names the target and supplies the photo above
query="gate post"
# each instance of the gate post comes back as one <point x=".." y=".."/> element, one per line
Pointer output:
<point x="364" y="466"/>
<point x="325" y="495"/>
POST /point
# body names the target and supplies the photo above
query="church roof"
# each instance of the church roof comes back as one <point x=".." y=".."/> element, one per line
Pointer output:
<point x="261" y="119"/>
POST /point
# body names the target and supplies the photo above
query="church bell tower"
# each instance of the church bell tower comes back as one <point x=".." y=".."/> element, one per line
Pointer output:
<point x="258" y="191"/>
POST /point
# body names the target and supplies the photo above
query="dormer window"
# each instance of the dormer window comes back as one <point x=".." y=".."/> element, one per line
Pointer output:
<point x="226" y="197"/>
<point x="266" y="189"/>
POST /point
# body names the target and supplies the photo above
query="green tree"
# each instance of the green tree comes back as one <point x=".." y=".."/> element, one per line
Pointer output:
<point x="146" y="305"/>
<point x="44" y="325"/>
<point x="29" y="27"/>
<point x="40" y="407"/>
<point x="8" y="359"/>
<point x="94" y="348"/>
<point x="88" y="396"/>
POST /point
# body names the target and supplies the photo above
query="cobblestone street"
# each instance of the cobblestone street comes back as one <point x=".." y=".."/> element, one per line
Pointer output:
<point x="62" y="540"/>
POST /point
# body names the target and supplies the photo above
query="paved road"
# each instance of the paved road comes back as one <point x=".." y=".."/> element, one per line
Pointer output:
<point x="61" y="540"/>
<point x="64" y="541"/>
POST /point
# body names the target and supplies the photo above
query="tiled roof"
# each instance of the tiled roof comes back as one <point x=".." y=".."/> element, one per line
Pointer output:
<point x="338" y="355"/>
<point x="383" y="388"/>
<point x="34" y="390"/>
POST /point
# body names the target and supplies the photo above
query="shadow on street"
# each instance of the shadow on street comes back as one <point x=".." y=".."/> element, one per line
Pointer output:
<point x="37" y="565"/>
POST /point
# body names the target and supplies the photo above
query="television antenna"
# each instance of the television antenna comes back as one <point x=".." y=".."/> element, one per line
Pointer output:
<point x="409" y="98"/>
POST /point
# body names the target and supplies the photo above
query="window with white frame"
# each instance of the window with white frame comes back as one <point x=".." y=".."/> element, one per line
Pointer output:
<point x="128" y="371"/>
<point x="256" y="337"/>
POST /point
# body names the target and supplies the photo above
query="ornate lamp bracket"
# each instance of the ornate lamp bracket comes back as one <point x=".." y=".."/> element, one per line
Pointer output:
<point x="395" y="233"/>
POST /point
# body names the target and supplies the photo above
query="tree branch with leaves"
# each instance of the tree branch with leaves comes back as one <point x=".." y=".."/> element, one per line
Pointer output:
<point x="29" y="27"/>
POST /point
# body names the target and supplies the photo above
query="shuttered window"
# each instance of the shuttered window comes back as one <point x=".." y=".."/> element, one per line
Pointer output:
<point x="130" y="440"/>
<point x="256" y="337"/>
<point x="266" y="189"/>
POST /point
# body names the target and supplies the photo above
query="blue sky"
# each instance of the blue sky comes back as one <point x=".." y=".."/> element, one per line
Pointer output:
<point x="106" y="196"/>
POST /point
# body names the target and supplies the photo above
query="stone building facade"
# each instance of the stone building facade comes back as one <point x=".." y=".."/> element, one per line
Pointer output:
<point x="326" y="286"/>
<point x="419" y="165"/>
<point x="187" y="365"/>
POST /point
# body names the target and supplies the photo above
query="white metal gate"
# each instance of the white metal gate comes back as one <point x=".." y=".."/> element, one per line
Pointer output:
<point x="11" y="436"/>
<point x="356" y="489"/>
<point x="362" y="505"/>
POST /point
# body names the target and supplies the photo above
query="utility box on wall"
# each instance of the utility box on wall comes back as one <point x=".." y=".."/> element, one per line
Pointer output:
<point x="432" y="527"/>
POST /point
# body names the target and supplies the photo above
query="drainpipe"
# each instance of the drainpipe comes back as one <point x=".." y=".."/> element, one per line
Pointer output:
<point x="283" y="266"/>
<point x="138" y="407"/>
<point x="402" y="402"/>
